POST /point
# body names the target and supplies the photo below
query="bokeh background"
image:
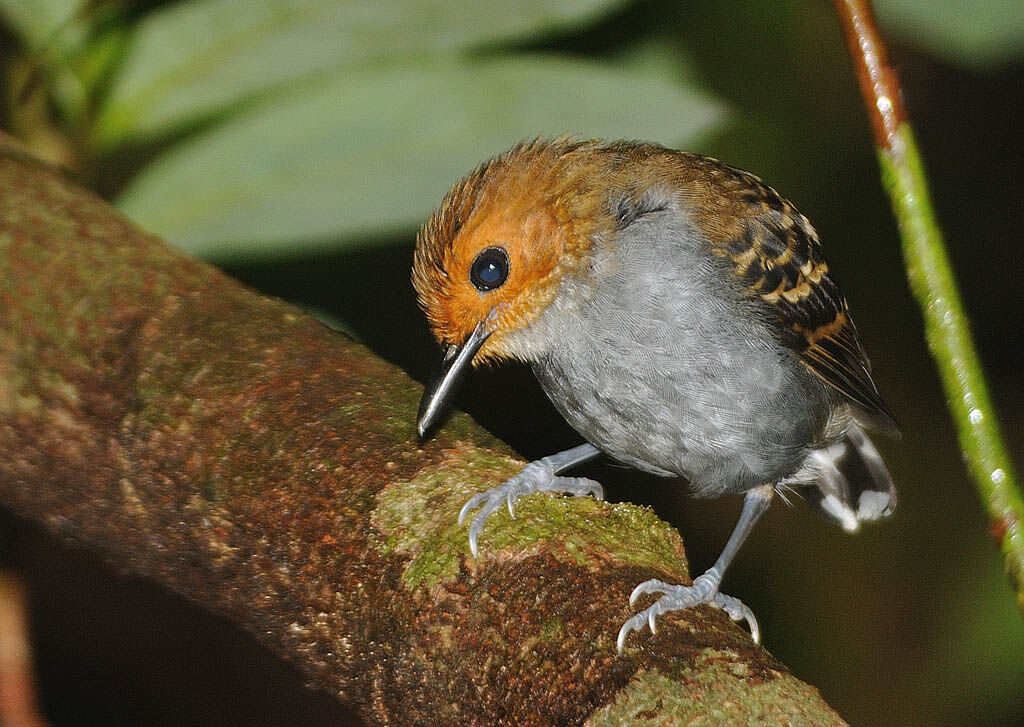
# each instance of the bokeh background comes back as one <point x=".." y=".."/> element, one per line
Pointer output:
<point x="298" y="145"/>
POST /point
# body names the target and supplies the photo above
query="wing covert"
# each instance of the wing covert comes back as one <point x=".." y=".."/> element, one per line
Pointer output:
<point x="777" y="256"/>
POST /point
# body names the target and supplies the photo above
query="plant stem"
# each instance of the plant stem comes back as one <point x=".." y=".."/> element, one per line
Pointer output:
<point x="933" y="284"/>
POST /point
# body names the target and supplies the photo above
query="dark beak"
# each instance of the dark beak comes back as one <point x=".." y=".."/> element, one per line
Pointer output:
<point x="447" y="378"/>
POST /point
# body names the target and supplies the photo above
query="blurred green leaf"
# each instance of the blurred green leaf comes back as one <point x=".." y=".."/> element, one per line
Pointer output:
<point x="974" y="33"/>
<point x="375" y="150"/>
<point x="60" y="43"/>
<point x="191" y="59"/>
<point x="38" y="21"/>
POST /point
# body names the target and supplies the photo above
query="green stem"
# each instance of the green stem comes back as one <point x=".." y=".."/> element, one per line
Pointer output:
<point x="949" y="338"/>
<point x="932" y="281"/>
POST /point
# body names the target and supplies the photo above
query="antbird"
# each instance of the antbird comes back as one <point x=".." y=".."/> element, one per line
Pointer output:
<point x="679" y="314"/>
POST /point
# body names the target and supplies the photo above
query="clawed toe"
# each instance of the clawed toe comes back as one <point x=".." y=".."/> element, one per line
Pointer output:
<point x="471" y="504"/>
<point x="677" y="598"/>
<point x="739" y="611"/>
<point x="537" y="476"/>
<point x="651" y="586"/>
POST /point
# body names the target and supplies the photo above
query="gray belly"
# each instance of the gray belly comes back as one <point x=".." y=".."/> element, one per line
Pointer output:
<point x="724" y="428"/>
<point x="674" y="373"/>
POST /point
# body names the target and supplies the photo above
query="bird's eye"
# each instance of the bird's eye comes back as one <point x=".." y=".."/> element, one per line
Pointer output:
<point x="490" y="269"/>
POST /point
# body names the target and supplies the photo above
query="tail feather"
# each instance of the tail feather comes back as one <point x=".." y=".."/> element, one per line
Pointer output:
<point x="850" y="481"/>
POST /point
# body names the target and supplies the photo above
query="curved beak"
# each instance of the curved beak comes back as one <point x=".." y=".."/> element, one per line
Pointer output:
<point x="446" y="379"/>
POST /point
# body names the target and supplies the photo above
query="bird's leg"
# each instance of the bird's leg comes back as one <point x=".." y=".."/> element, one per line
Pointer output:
<point x="705" y="586"/>
<point x="538" y="476"/>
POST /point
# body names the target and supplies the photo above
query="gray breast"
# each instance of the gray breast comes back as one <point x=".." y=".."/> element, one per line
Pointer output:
<point x="658" y="360"/>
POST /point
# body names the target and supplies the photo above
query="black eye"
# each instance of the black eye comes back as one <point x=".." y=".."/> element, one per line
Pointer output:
<point x="490" y="269"/>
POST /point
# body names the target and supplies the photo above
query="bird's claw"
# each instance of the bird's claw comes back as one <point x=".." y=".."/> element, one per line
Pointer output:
<point x="537" y="476"/>
<point x="676" y="598"/>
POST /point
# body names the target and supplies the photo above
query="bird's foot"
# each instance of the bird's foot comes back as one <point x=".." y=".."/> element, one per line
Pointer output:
<point x="676" y="598"/>
<point x="537" y="476"/>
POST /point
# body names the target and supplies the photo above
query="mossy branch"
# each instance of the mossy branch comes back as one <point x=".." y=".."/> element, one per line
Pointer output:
<point x="934" y="285"/>
<point x="231" y="449"/>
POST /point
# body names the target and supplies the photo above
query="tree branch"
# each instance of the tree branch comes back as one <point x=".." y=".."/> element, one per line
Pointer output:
<point x="235" y="451"/>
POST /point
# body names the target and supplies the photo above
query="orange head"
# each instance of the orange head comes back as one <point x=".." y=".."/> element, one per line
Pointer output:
<point x="502" y="239"/>
<point x="489" y="260"/>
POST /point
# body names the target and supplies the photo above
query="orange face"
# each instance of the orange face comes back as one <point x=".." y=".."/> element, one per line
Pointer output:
<point x="497" y="247"/>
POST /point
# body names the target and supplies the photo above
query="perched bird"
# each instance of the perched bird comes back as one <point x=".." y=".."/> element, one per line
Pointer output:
<point x="678" y="313"/>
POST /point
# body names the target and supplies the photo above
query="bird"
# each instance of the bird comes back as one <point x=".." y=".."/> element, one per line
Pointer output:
<point x="678" y="313"/>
